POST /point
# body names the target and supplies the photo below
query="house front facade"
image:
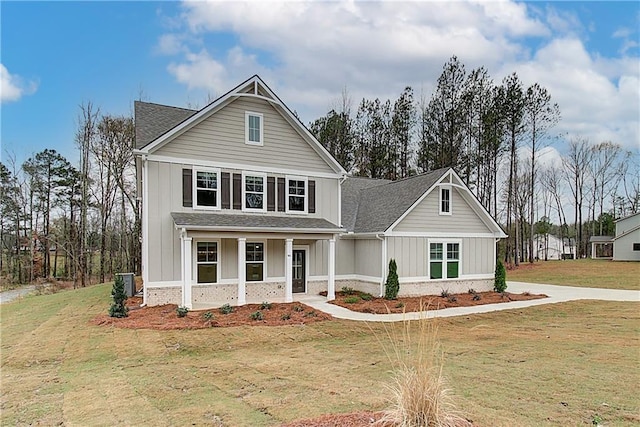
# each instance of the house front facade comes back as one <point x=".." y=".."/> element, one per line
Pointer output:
<point x="241" y="204"/>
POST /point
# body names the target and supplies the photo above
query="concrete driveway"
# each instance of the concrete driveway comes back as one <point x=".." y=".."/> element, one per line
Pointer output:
<point x="556" y="294"/>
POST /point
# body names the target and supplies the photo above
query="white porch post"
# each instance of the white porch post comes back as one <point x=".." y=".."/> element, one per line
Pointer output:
<point x="331" y="283"/>
<point x="242" y="272"/>
<point x="288" y="273"/>
<point x="186" y="271"/>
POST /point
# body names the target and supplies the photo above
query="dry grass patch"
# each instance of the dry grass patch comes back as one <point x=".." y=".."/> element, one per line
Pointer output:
<point x="588" y="273"/>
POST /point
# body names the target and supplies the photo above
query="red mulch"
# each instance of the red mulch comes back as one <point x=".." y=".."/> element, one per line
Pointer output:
<point x="164" y="317"/>
<point x="434" y="302"/>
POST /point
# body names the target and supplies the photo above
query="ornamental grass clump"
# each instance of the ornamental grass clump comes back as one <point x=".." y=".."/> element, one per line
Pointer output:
<point x="419" y="396"/>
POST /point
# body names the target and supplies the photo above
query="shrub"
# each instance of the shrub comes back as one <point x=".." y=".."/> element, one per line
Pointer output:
<point x="285" y="316"/>
<point x="311" y="313"/>
<point x="119" y="296"/>
<point x="452" y="298"/>
<point x="352" y="299"/>
<point x="265" y="306"/>
<point x="207" y="316"/>
<point x="182" y="311"/>
<point x="226" y="309"/>
<point x="476" y="297"/>
<point x="257" y="315"/>
<point x="472" y="291"/>
<point x="445" y="293"/>
<point x="365" y="296"/>
<point x="298" y="308"/>
<point x="400" y="304"/>
<point x="348" y="291"/>
<point x="392" y="287"/>
<point x="500" y="284"/>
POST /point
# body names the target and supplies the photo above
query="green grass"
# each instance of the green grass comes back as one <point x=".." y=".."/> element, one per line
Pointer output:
<point x="554" y="365"/>
<point x="589" y="273"/>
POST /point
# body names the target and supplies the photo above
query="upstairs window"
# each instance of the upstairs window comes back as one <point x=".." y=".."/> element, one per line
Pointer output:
<point x="207" y="188"/>
<point x="444" y="260"/>
<point x="445" y="200"/>
<point x="254" y="189"/>
<point x="253" y="128"/>
<point x="296" y="194"/>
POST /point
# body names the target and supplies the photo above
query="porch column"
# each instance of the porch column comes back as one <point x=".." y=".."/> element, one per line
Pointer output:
<point x="331" y="283"/>
<point x="242" y="270"/>
<point x="288" y="271"/>
<point x="186" y="271"/>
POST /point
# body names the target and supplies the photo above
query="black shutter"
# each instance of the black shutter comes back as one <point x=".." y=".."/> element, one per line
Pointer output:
<point x="237" y="191"/>
<point x="271" y="193"/>
<point x="281" y="194"/>
<point x="226" y="190"/>
<point x="312" y="197"/>
<point x="187" y="188"/>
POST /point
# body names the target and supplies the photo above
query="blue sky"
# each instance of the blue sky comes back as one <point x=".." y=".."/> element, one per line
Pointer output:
<point x="56" y="55"/>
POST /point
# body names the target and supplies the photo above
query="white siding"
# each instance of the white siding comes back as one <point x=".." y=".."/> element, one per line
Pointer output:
<point x="623" y="246"/>
<point x="221" y="138"/>
<point x="425" y="217"/>
<point x="368" y="257"/>
<point x="345" y="256"/>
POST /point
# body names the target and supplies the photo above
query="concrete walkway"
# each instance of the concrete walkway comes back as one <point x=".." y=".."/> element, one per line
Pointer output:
<point x="556" y="294"/>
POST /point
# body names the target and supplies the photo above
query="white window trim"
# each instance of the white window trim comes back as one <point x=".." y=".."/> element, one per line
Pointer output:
<point x="444" y="257"/>
<point x="306" y="193"/>
<point x="264" y="191"/>
<point x="247" y="114"/>
<point x="194" y="261"/>
<point x="264" y="261"/>
<point x="195" y="188"/>
<point x="440" y="211"/>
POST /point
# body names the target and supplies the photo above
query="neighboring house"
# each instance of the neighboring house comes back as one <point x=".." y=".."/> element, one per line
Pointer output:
<point x="626" y="244"/>
<point x="242" y="204"/>
<point x="601" y="247"/>
<point x="551" y="247"/>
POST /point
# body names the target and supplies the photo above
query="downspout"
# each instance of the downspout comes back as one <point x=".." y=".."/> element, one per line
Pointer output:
<point x="341" y="181"/>
<point x="383" y="239"/>
<point x="145" y="230"/>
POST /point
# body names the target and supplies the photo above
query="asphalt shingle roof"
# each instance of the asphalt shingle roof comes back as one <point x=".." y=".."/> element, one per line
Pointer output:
<point x="152" y="120"/>
<point x="372" y="206"/>
<point x="252" y="222"/>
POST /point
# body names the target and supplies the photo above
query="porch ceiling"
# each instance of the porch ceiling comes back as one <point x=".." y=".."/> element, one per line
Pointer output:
<point x="216" y="221"/>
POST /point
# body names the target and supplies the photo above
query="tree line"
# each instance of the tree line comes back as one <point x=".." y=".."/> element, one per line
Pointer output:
<point x="79" y="223"/>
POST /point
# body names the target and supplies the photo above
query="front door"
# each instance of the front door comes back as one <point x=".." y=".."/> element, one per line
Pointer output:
<point x="299" y="270"/>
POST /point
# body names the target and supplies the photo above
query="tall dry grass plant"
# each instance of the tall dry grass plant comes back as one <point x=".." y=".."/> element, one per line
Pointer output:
<point x="419" y="396"/>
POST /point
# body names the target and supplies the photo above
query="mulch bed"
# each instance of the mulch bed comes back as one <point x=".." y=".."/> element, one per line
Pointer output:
<point x="354" y="301"/>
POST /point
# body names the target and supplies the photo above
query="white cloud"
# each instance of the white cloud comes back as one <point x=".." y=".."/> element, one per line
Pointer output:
<point x="309" y="51"/>
<point x="13" y="87"/>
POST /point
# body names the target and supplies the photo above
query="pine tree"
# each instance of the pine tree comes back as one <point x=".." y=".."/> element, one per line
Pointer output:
<point x="118" y="307"/>
<point x="500" y="284"/>
<point x="392" y="287"/>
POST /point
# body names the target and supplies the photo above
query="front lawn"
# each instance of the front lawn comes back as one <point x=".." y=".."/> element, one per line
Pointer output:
<point x="588" y="273"/>
<point x="557" y="365"/>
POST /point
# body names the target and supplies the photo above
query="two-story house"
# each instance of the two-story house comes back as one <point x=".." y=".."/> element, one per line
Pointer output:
<point x="240" y="203"/>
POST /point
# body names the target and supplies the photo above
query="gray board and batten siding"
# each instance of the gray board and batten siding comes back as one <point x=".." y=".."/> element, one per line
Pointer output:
<point x="221" y="138"/>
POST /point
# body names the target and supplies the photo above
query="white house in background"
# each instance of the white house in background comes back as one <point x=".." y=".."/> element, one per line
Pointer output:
<point x="553" y="247"/>
<point x="240" y="204"/>
<point x="626" y="244"/>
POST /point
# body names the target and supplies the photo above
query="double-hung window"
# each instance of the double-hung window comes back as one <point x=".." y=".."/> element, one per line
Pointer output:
<point x="207" y="262"/>
<point x="254" y="191"/>
<point x="296" y="194"/>
<point x="207" y="188"/>
<point x="445" y="200"/>
<point x="444" y="260"/>
<point x="254" y="124"/>
<point x="255" y="261"/>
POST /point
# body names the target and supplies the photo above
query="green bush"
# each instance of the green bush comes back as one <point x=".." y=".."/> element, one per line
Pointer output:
<point x="226" y="309"/>
<point x="285" y="316"/>
<point x="207" y="316"/>
<point x="392" y="287"/>
<point x="257" y="315"/>
<point x="500" y="284"/>
<point x="365" y="296"/>
<point x="265" y="306"/>
<point x="182" y="311"/>
<point x="348" y="291"/>
<point x="445" y="293"/>
<point x="118" y="307"/>
<point x="297" y="308"/>
<point x="352" y="299"/>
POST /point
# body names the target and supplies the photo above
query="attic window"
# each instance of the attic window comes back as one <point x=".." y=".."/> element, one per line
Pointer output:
<point x="445" y="200"/>
<point x="253" y="128"/>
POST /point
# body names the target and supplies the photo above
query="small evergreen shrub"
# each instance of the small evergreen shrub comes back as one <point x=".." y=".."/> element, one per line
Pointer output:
<point x="207" y="316"/>
<point x="285" y="316"/>
<point x="476" y="297"/>
<point x="365" y="296"/>
<point x="445" y="293"/>
<point x="348" y="291"/>
<point x="265" y="306"/>
<point x="226" y="309"/>
<point x="182" y="311"/>
<point x="352" y="299"/>
<point x="472" y="291"/>
<point x="392" y="287"/>
<point x="297" y="308"/>
<point x="119" y="296"/>
<point x="257" y="315"/>
<point x="452" y="298"/>
<point x="311" y="313"/>
<point x="500" y="284"/>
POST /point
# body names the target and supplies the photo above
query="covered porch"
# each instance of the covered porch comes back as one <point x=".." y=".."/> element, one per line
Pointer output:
<point x="238" y="259"/>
